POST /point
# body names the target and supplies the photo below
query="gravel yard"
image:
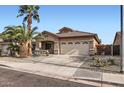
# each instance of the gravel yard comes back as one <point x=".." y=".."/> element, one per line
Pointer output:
<point x="113" y="68"/>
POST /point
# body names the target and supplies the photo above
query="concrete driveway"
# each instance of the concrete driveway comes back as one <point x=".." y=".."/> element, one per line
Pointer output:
<point x="65" y="66"/>
<point x="54" y="64"/>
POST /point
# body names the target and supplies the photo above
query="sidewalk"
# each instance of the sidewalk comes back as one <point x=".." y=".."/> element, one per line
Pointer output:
<point x="115" y="79"/>
<point x="68" y="73"/>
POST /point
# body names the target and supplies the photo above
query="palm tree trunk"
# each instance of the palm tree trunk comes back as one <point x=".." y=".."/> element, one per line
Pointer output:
<point x="23" y="50"/>
<point x="29" y="21"/>
<point x="30" y="48"/>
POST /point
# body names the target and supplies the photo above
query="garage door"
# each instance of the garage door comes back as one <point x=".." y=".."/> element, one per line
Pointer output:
<point x="75" y="48"/>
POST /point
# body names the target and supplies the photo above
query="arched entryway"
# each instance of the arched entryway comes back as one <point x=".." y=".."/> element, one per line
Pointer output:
<point x="48" y="45"/>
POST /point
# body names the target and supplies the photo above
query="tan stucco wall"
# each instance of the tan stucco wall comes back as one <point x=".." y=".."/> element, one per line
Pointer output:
<point x="4" y="46"/>
<point x="56" y="47"/>
<point x="94" y="45"/>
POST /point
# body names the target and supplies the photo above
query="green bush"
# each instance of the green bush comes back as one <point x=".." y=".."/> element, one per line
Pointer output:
<point x="100" y="62"/>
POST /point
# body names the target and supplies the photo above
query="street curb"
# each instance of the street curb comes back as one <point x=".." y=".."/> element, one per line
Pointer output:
<point x="101" y="82"/>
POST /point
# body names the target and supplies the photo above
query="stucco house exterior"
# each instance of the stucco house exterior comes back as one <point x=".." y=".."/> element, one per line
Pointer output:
<point x="3" y="47"/>
<point x="69" y="41"/>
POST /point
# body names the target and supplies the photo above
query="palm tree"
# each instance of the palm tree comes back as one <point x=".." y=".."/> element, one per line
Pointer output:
<point x="29" y="12"/>
<point x="20" y="35"/>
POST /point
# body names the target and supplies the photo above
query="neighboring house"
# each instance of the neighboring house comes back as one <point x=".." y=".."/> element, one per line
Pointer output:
<point x="117" y="43"/>
<point x="3" y="47"/>
<point x="117" y="39"/>
<point x="69" y="41"/>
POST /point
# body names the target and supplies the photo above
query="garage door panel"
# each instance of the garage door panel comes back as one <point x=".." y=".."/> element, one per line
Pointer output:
<point x="79" y="49"/>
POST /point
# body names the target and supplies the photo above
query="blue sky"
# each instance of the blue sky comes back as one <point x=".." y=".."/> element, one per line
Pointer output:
<point x="103" y="20"/>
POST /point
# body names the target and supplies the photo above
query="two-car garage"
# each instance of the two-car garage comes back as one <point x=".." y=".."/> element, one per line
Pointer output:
<point x="75" y="48"/>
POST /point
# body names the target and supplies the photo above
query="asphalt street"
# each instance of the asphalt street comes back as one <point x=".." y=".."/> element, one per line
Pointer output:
<point x="12" y="78"/>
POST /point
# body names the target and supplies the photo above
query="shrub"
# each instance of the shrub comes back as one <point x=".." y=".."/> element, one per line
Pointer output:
<point x="100" y="62"/>
<point x="111" y="61"/>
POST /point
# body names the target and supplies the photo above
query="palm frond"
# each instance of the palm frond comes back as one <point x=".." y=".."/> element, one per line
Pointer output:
<point x="21" y="11"/>
<point x="36" y="17"/>
<point x="35" y="12"/>
<point x="25" y="18"/>
<point x="27" y="9"/>
<point x="21" y="14"/>
<point x="34" y="29"/>
<point x="37" y="7"/>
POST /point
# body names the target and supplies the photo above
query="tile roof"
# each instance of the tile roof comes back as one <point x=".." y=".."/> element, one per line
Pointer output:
<point x="74" y="34"/>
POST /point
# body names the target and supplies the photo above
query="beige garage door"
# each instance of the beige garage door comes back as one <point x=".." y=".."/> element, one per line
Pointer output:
<point x="75" y="48"/>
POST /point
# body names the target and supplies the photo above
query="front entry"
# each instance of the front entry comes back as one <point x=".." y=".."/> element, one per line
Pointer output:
<point x="48" y="45"/>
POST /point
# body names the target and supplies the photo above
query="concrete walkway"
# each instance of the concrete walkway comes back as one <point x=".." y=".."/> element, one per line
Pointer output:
<point x="60" y="67"/>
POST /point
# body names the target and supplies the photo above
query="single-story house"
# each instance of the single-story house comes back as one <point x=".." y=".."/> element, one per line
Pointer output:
<point x="69" y="41"/>
<point x="66" y="41"/>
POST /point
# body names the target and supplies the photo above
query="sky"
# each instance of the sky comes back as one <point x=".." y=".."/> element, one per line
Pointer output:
<point x="103" y="20"/>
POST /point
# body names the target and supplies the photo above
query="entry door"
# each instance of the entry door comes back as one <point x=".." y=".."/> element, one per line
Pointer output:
<point x="49" y="46"/>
